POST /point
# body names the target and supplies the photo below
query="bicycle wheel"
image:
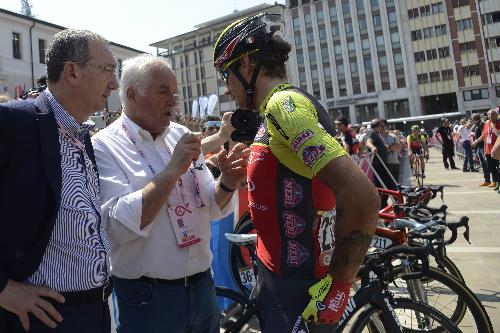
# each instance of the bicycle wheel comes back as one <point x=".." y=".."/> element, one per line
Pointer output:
<point x="239" y="258"/>
<point x="414" y="317"/>
<point x="418" y="170"/>
<point x="448" y="295"/>
<point x="238" y="313"/>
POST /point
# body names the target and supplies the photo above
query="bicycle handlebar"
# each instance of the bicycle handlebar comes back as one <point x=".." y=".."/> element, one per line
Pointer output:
<point x="463" y="222"/>
<point x="421" y="253"/>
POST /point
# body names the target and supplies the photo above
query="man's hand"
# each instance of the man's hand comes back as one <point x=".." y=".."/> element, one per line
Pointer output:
<point x="226" y="129"/>
<point x="233" y="166"/>
<point x="328" y="301"/>
<point x="187" y="150"/>
<point x="22" y="299"/>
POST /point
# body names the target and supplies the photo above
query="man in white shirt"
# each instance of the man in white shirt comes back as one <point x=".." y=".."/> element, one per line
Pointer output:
<point x="157" y="200"/>
<point x="464" y="132"/>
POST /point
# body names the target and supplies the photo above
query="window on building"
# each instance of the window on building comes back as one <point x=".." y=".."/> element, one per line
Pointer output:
<point x="429" y="32"/>
<point x="324" y="53"/>
<point x="380" y="42"/>
<point x="333" y="10"/>
<point x="491" y="18"/>
<point x="368" y="65"/>
<point x="392" y="18"/>
<point x="300" y="57"/>
<point x="365" y="44"/>
<point x="202" y="58"/>
<point x="419" y="56"/>
<point x="348" y="27"/>
<point x="441" y="30"/>
<point x="495" y="67"/>
<point x="471" y="70"/>
<point x="338" y="50"/>
<point x="464" y="24"/>
<point x="467" y="46"/>
<point x="360" y="5"/>
<point x="312" y="56"/>
<point x="202" y="72"/>
<point x="444" y="52"/>
<point x="120" y="67"/>
<point x="413" y="13"/>
<point x="186" y="59"/>
<point x="493" y="42"/>
<point x="395" y="39"/>
<point x="397" y="109"/>
<point x="437" y="8"/>
<point x="346" y="9"/>
<point x="459" y="3"/>
<point x="447" y="75"/>
<point x="362" y="24"/>
<point x="423" y="78"/>
<point x="476" y="94"/>
<point x="374" y="3"/>
<point x="41" y="50"/>
<point x="416" y="35"/>
<point x="298" y="40"/>
<point x="497" y="89"/>
<point x="320" y="14"/>
<point x="335" y="29"/>
<point x="351" y="46"/>
<point x="366" y="112"/>
<point x="16" y="45"/>
<point x="377" y="22"/>
<point x="435" y="76"/>
<point x="431" y="54"/>
<point x="307" y="20"/>
<point x="294" y="3"/>
<point x="296" y="23"/>
<point x="425" y="10"/>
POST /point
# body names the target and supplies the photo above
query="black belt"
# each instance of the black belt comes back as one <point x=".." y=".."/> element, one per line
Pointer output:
<point x="186" y="281"/>
<point x="100" y="294"/>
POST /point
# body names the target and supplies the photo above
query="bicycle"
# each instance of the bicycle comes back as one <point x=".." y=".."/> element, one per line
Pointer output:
<point x="418" y="169"/>
<point x="371" y="307"/>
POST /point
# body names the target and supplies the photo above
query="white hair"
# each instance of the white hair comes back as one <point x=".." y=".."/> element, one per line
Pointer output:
<point x="137" y="72"/>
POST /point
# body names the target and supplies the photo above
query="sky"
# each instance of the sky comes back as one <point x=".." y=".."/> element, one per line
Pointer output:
<point x="130" y="22"/>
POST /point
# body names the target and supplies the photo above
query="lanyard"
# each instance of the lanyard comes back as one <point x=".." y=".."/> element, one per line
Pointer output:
<point x="180" y="186"/>
<point x="77" y="143"/>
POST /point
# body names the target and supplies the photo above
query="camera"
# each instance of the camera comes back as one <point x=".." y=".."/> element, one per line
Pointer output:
<point x="246" y="123"/>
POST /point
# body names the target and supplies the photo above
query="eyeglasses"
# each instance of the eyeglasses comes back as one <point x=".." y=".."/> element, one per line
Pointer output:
<point x="108" y="70"/>
<point x="213" y="123"/>
<point x="224" y="74"/>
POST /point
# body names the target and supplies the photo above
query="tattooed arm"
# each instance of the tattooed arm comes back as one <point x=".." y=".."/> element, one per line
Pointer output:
<point x="357" y="211"/>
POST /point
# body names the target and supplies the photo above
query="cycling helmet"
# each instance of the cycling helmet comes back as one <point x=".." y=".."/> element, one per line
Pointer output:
<point x="415" y="128"/>
<point x="248" y="35"/>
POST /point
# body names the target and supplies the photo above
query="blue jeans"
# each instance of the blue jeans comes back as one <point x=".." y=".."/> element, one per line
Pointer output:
<point x="468" y="155"/>
<point x="484" y="165"/>
<point x="145" y="307"/>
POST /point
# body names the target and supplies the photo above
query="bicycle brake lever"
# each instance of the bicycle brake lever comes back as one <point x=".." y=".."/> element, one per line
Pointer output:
<point x="467" y="234"/>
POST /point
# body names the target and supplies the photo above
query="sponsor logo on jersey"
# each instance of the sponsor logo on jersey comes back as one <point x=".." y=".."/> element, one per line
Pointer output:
<point x="261" y="133"/>
<point x="288" y="104"/>
<point x="311" y="154"/>
<point x="293" y="193"/>
<point x="250" y="185"/>
<point x="297" y="254"/>
<point x="257" y="206"/>
<point x="294" y="224"/>
<point x="255" y="157"/>
<point x="300" y="139"/>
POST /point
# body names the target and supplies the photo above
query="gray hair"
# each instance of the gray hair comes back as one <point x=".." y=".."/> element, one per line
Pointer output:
<point x="68" y="45"/>
<point x="137" y="72"/>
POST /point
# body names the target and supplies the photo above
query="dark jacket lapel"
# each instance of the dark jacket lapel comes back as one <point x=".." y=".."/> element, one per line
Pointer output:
<point x="49" y="141"/>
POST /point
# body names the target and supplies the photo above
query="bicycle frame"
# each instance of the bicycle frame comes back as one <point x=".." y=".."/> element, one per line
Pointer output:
<point x="372" y="294"/>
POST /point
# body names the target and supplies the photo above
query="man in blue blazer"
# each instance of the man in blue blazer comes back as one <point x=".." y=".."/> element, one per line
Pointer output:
<point x="53" y="249"/>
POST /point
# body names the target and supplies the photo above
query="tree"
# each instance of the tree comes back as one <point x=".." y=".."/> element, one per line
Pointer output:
<point x="26" y="8"/>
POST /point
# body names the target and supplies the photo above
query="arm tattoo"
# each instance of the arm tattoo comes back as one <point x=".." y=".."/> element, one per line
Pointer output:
<point x="351" y="249"/>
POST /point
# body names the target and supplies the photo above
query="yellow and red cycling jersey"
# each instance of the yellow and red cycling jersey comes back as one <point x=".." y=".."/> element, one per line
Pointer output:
<point x="292" y="210"/>
<point x="416" y="142"/>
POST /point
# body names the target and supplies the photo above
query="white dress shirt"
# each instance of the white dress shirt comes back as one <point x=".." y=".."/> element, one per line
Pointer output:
<point x="464" y="133"/>
<point x="152" y="251"/>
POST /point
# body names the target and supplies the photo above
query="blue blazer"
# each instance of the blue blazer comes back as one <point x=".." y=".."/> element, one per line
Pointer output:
<point x="30" y="184"/>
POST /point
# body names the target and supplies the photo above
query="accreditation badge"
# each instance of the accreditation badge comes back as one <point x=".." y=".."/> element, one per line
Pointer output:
<point x="184" y="224"/>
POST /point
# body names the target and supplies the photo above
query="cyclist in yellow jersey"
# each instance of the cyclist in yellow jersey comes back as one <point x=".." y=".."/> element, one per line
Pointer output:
<point x="296" y="173"/>
<point x="417" y="146"/>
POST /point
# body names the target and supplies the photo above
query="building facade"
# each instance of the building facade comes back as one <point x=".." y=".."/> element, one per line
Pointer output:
<point x="353" y="56"/>
<point x="23" y="41"/>
<point x="396" y="59"/>
<point x="192" y="57"/>
<point x="456" y="46"/>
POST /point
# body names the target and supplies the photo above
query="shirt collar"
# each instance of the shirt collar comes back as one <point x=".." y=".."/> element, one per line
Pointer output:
<point x="66" y="120"/>
<point x="275" y="89"/>
<point x="142" y="134"/>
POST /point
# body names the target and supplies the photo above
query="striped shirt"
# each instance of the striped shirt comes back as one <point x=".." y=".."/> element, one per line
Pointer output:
<point x="76" y="256"/>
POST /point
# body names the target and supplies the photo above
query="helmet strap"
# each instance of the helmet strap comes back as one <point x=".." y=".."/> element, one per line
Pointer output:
<point x="249" y="87"/>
